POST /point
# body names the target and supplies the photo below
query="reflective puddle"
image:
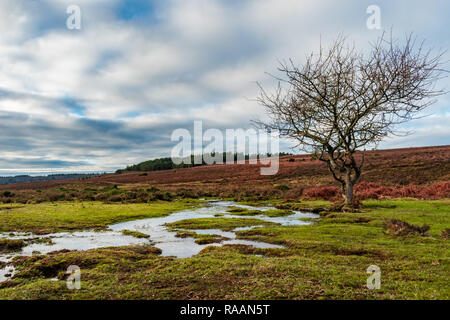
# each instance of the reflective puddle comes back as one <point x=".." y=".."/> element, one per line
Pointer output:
<point x="160" y="236"/>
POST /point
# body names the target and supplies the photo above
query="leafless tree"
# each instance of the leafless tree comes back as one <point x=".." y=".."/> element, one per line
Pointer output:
<point x="342" y="100"/>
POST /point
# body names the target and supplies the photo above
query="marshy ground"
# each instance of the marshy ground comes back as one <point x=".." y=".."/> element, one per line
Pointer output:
<point x="327" y="259"/>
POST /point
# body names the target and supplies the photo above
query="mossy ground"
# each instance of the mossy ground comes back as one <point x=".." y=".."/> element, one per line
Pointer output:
<point x="225" y="224"/>
<point x="326" y="260"/>
<point x="135" y="234"/>
<point x="44" y="218"/>
<point x="237" y="211"/>
<point x="201" y="238"/>
<point x="8" y="245"/>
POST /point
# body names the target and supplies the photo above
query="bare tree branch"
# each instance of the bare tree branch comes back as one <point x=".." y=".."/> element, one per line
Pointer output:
<point x="341" y="100"/>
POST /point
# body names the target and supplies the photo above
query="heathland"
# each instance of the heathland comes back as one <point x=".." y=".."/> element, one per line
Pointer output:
<point x="402" y="225"/>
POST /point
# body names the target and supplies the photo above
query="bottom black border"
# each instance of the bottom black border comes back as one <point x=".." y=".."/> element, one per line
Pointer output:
<point x="224" y="309"/>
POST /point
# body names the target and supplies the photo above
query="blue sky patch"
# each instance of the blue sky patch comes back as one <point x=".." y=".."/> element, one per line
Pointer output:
<point x="74" y="106"/>
<point x="134" y="9"/>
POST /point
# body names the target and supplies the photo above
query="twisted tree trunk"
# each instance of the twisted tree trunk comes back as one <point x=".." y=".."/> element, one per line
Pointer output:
<point x="348" y="189"/>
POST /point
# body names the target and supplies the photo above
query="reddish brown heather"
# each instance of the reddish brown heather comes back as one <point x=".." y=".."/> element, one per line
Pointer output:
<point x="413" y="172"/>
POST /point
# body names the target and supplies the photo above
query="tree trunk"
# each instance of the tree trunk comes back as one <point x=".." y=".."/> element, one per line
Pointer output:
<point x="348" y="189"/>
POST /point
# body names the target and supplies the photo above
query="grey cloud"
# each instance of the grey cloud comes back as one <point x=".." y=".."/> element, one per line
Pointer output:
<point x="112" y="93"/>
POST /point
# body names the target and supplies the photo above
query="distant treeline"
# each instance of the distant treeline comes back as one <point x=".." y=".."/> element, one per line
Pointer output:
<point x="26" y="178"/>
<point x="168" y="164"/>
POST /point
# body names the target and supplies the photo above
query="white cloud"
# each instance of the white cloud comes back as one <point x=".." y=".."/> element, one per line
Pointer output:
<point x="129" y="83"/>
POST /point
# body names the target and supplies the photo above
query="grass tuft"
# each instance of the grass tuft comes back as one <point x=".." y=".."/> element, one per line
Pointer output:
<point x="8" y="245"/>
<point x="401" y="228"/>
<point x="135" y="234"/>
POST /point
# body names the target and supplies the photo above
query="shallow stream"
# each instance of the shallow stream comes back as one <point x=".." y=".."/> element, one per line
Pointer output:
<point x="159" y="234"/>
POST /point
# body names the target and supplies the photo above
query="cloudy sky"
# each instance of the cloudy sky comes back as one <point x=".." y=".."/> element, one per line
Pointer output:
<point x="111" y="93"/>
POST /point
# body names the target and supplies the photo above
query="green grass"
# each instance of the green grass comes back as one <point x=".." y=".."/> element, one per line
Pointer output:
<point x="237" y="211"/>
<point x="200" y="238"/>
<point x="8" y="245"/>
<point x="327" y="260"/>
<point x="7" y="206"/>
<point x="135" y="234"/>
<point x="225" y="224"/>
<point x="277" y="213"/>
<point x="48" y="217"/>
